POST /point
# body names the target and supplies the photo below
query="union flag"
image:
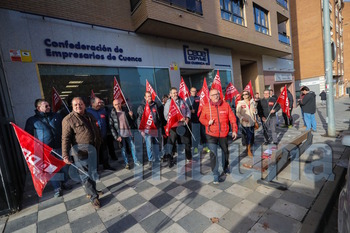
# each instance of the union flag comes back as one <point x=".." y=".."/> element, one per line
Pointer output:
<point x="147" y="123"/>
<point x="184" y="93"/>
<point x="150" y="89"/>
<point x="284" y="101"/>
<point x="203" y="96"/>
<point x="217" y="84"/>
<point x="174" y="116"/>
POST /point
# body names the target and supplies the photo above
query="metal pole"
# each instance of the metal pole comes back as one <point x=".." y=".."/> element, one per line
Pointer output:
<point x="328" y="69"/>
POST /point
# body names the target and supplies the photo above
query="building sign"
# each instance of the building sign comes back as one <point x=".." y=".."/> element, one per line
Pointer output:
<point x="20" y="55"/>
<point x="283" y="77"/>
<point x="196" y="57"/>
<point x="77" y="50"/>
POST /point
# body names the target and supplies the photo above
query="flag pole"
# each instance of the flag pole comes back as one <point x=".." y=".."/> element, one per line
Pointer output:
<point x="271" y="110"/>
<point x="126" y="102"/>
<point x="72" y="164"/>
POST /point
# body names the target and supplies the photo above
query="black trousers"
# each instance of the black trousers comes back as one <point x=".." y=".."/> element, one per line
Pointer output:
<point x="223" y="143"/>
<point x="288" y="121"/>
<point x="183" y="137"/>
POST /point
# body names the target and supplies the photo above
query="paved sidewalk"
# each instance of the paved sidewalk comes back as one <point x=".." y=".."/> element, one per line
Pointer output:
<point x="179" y="202"/>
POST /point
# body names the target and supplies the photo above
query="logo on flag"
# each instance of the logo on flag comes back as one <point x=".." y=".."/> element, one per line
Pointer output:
<point x="117" y="92"/>
<point x="184" y="93"/>
<point x="174" y="116"/>
<point x="284" y="101"/>
<point x="150" y="89"/>
<point x="203" y="96"/>
<point x="42" y="165"/>
<point x="231" y="92"/>
<point x="147" y="123"/>
<point x="217" y="84"/>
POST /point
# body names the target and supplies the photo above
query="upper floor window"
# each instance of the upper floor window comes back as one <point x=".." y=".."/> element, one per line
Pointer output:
<point x="133" y="4"/>
<point x="194" y="6"/>
<point x="261" y="19"/>
<point x="283" y="3"/>
<point x="232" y="10"/>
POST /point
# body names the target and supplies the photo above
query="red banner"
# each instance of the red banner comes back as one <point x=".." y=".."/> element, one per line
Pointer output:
<point x="231" y="92"/>
<point x="56" y="100"/>
<point x="203" y="96"/>
<point x="150" y="89"/>
<point x="174" y="116"/>
<point x="117" y="92"/>
<point x="41" y="163"/>
<point x="284" y="101"/>
<point x="92" y="94"/>
<point x="147" y="123"/>
<point x="249" y="88"/>
<point x="217" y="84"/>
<point x="184" y="93"/>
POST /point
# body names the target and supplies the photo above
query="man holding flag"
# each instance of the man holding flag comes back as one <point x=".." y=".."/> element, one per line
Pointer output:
<point x="46" y="126"/>
<point x="148" y="122"/>
<point x="176" y="129"/>
<point x="267" y="108"/>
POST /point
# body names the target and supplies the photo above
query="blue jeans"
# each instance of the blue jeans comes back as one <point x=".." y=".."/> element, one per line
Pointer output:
<point x="60" y="176"/>
<point x="302" y="115"/>
<point x="310" y="121"/>
<point x="132" y="148"/>
<point x="152" y="145"/>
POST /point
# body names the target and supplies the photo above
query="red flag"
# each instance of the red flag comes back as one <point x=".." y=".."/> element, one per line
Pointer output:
<point x="174" y="116"/>
<point x="147" y="123"/>
<point x="249" y="88"/>
<point x="203" y="96"/>
<point x="184" y="93"/>
<point x="41" y="163"/>
<point x="284" y="101"/>
<point x="117" y="92"/>
<point x="238" y="98"/>
<point x="56" y="100"/>
<point x="217" y="84"/>
<point x="231" y="92"/>
<point x="150" y="89"/>
<point x="92" y="94"/>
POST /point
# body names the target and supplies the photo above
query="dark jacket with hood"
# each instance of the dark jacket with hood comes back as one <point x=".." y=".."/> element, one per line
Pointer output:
<point x="154" y="110"/>
<point x="47" y="127"/>
<point x="265" y="106"/>
<point x="308" y="103"/>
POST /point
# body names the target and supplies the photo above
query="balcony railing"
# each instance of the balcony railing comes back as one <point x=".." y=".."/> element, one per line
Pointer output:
<point x="283" y="3"/>
<point x="194" y="6"/>
<point x="283" y="38"/>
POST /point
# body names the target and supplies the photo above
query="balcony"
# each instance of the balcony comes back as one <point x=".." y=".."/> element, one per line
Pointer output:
<point x="194" y="6"/>
<point x="283" y="38"/>
<point x="283" y="3"/>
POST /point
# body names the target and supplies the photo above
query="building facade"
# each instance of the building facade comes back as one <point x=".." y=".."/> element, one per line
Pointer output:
<point x="83" y="46"/>
<point x="308" y="47"/>
<point x="346" y="41"/>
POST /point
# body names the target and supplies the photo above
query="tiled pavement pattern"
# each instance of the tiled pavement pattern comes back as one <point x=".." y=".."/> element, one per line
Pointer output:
<point x="178" y="202"/>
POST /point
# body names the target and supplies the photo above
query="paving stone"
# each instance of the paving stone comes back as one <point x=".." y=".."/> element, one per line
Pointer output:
<point x="297" y="198"/>
<point x="289" y="209"/>
<point x="30" y="228"/>
<point x="279" y="223"/>
<point x="169" y="175"/>
<point x="111" y="211"/>
<point x="125" y="194"/>
<point x="80" y="212"/>
<point x="233" y="222"/>
<point x="156" y="222"/>
<point x="269" y="191"/>
<point x="135" y="228"/>
<point x="24" y="212"/>
<point x="249" y="209"/>
<point x="176" y="210"/>
<point x="51" y="211"/>
<point x="162" y="200"/>
<point x="52" y="223"/>
<point x="259" y="228"/>
<point x="133" y="201"/>
<point x="118" y="187"/>
<point x="143" y="211"/>
<point x="107" y="199"/>
<point x="193" y="185"/>
<point x="97" y="229"/>
<point x="239" y="191"/>
<point x="167" y="185"/>
<point x="76" y="202"/>
<point x="261" y="199"/>
<point x="174" y="228"/>
<point x="120" y="223"/>
<point x="65" y="228"/>
<point x="194" y="200"/>
<point x="21" y="222"/>
<point x="226" y="199"/>
<point x="212" y="209"/>
<point x="194" y="222"/>
<point x="50" y="202"/>
<point x="155" y="182"/>
<point x="216" y="228"/>
<point x="85" y="223"/>
<point x="179" y="192"/>
<point x="75" y="193"/>
<point x="141" y="186"/>
<point x="148" y="194"/>
<point x="208" y="191"/>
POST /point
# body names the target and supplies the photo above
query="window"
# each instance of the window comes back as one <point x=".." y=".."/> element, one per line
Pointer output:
<point x="232" y="10"/>
<point x="194" y="6"/>
<point x="261" y="19"/>
<point x="133" y="4"/>
<point x="283" y="3"/>
<point x="72" y="81"/>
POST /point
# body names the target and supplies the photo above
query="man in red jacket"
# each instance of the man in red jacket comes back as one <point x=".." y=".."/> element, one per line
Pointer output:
<point x="216" y="116"/>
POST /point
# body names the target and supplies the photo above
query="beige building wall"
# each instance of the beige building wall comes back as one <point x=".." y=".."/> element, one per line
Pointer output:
<point x="346" y="40"/>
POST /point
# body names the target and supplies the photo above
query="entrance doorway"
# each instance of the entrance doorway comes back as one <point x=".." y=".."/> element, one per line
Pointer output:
<point x="249" y="72"/>
<point x="195" y="77"/>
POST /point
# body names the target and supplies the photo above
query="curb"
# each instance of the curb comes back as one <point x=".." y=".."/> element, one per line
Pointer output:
<point x="321" y="208"/>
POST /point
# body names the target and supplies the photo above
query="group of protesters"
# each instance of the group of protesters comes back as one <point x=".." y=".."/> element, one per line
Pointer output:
<point x="87" y="134"/>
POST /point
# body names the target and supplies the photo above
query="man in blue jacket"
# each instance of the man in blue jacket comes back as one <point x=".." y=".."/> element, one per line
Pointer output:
<point x="46" y="126"/>
<point x="98" y="111"/>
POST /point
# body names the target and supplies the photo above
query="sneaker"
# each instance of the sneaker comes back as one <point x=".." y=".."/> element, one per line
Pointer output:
<point x="58" y="193"/>
<point x="127" y="166"/>
<point x="290" y="126"/>
<point x="206" y="150"/>
<point x="227" y="171"/>
<point x="137" y="163"/>
<point x="99" y="192"/>
<point x="195" y="150"/>
<point x="276" y="143"/>
<point x="96" y="203"/>
<point x="216" y="182"/>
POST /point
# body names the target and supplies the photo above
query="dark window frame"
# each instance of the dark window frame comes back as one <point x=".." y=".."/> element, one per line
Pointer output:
<point x="258" y="21"/>
<point x="233" y="16"/>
